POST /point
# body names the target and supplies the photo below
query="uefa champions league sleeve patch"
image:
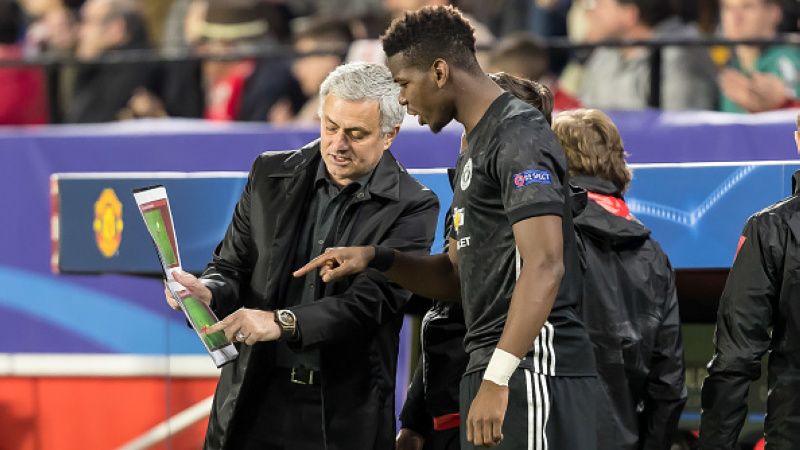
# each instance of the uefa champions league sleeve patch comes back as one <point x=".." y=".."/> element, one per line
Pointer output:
<point x="531" y="176"/>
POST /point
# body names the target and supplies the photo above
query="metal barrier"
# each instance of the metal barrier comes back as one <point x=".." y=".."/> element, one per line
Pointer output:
<point x="51" y="64"/>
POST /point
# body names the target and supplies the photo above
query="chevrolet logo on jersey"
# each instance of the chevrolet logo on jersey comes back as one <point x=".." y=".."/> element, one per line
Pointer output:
<point x="458" y="218"/>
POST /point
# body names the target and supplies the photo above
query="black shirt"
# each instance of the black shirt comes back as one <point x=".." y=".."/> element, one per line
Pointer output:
<point x="315" y="235"/>
<point x="514" y="169"/>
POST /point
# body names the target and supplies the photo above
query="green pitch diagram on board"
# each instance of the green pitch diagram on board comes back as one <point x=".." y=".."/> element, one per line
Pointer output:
<point x="158" y="229"/>
<point x="201" y="315"/>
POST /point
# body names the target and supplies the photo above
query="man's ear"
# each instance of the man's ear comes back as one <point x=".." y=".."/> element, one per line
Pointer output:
<point x="440" y="72"/>
<point x="388" y="138"/>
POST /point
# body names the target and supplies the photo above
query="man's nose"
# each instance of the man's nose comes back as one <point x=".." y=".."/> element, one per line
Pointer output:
<point x="340" y="142"/>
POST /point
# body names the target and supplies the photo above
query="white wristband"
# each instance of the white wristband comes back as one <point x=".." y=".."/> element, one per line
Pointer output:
<point x="500" y="367"/>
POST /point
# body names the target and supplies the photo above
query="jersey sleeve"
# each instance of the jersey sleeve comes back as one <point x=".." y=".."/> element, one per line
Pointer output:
<point x="530" y="168"/>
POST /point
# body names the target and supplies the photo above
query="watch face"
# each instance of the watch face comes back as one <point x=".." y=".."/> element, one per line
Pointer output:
<point x="287" y="318"/>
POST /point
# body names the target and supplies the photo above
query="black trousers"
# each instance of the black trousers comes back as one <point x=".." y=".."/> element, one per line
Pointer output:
<point x="544" y="413"/>
<point x="443" y="440"/>
<point x="289" y="418"/>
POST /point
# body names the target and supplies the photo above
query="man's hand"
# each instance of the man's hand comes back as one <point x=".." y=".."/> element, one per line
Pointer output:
<point x="248" y="326"/>
<point x="192" y="284"/>
<point x="760" y="92"/>
<point x="771" y="92"/>
<point x="486" y="415"/>
<point x="737" y="86"/>
<point x="339" y="262"/>
<point x="408" y="439"/>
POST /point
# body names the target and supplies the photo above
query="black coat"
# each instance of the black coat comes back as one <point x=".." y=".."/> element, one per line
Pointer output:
<point x="101" y="91"/>
<point x="759" y="311"/>
<point x="354" y="325"/>
<point x="630" y="310"/>
<point x="434" y="388"/>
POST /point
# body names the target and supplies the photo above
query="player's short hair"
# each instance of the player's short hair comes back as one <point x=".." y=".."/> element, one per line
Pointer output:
<point x="531" y="92"/>
<point x="593" y="146"/>
<point x="432" y="32"/>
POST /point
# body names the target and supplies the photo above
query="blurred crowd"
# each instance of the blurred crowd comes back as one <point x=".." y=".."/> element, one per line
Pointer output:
<point x="264" y="60"/>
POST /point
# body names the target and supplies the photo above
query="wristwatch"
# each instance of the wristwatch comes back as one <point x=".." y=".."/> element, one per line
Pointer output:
<point x="287" y="322"/>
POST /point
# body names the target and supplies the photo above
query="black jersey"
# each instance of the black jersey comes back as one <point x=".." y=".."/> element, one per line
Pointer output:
<point x="514" y="169"/>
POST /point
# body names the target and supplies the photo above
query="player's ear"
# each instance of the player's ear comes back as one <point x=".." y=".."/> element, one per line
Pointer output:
<point x="440" y="72"/>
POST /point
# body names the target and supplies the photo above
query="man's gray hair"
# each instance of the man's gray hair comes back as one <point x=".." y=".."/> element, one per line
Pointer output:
<point x="365" y="81"/>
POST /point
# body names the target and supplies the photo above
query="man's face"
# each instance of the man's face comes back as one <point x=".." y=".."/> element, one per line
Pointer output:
<point x="420" y="94"/>
<point x="351" y="138"/>
<point x="94" y="34"/>
<point x="749" y="19"/>
<point x="606" y="19"/>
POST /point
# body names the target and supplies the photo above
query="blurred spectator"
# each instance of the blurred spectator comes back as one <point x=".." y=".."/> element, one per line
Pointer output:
<point x="757" y="79"/>
<point x="22" y="89"/>
<point x="54" y="33"/>
<point x="101" y="91"/>
<point x="239" y="25"/>
<point x="286" y="91"/>
<point x="522" y="55"/>
<point x="619" y="78"/>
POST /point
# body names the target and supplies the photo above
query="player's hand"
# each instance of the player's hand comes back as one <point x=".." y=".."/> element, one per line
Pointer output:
<point x="248" y="326"/>
<point x="339" y="262"/>
<point x="192" y="284"/>
<point x="486" y="415"/>
<point x="408" y="439"/>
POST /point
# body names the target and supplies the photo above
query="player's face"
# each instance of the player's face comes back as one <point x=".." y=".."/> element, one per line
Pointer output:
<point x="351" y="140"/>
<point x="420" y="94"/>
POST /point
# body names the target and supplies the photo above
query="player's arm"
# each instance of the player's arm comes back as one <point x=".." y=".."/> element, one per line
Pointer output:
<point x="432" y="276"/>
<point x="541" y="246"/>
<point x="742" y="336"/>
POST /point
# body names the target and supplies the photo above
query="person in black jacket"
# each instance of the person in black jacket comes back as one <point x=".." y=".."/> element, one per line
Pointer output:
<point x="101" y="91"/>
<point x="512" y="260"/>
<point x="430" y="418"/>
<point x="317" y="362"/>
<point x="758" y="312"/>
<point x="629" y="306"/>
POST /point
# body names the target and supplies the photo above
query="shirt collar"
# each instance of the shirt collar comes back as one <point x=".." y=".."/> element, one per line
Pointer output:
<point x="357" y="185"/>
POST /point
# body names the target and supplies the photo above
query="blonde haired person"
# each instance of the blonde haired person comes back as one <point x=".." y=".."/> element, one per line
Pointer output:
<point x="629" y="305"/>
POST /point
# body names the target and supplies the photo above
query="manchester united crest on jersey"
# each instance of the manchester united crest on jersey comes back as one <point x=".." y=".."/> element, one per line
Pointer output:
<point x="466" y="175"/>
